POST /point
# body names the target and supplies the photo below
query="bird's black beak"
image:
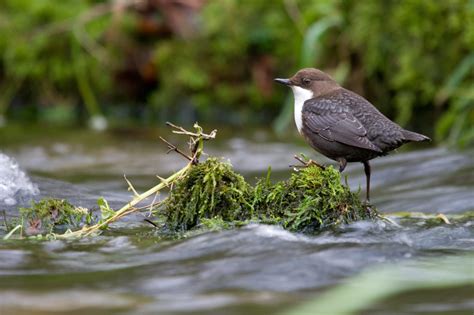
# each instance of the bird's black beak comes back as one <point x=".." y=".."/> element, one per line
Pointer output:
<point x="283" y="81"/>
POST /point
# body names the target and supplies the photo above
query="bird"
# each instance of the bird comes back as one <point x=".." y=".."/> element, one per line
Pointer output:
<point x="341" y="124"/>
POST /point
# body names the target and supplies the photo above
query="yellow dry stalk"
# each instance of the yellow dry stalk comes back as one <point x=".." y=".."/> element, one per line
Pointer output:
<point x="197" y="139"/>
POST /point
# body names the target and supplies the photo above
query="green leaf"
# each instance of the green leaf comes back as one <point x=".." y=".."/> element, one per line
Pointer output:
<point x="105" y="210"/>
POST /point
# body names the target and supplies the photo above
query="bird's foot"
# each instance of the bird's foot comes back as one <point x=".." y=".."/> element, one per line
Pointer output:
<point x="306" y="163"/>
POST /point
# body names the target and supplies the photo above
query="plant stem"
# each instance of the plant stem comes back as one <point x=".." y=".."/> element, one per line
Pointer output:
<point x="197" y="138"/>
<point x="126" y="209"/>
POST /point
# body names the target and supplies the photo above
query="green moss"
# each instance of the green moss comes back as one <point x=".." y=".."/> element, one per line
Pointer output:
<point x="429" y="219"/>
<point x="310" y="200"/>
<point x="209" y="190"/>
<point x="212" y="194"/>
<point x="51" y="215"/>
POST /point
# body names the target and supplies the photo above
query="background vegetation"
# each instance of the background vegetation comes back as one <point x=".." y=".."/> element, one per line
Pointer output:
<point x="147" y="61"/>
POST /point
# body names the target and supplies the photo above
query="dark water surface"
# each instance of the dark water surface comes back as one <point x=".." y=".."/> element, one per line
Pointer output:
<point x="257" y="269"/>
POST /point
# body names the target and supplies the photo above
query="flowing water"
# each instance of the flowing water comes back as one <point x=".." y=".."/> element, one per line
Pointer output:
<point x="257" y="269"/>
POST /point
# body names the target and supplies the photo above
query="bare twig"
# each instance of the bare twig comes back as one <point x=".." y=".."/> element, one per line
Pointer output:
<point x="153" y="203"/>
<point x="162" y="179"/>
<point x="195" y="141"/>
<point x="196" y="138"/>
<point x="130" y="186"/>
<point x="181" y="131"/>
<point x="172" y="147"/>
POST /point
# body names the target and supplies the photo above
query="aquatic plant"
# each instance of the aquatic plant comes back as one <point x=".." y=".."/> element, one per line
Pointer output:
<point x="212" y="196"/>
<point x="51" y="215"/>
<point x="196" y="145"/>
<point x="208" y="190"/>
<point x="313" y="198"/>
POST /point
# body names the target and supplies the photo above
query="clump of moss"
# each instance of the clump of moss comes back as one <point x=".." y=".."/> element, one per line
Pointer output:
<point x="212" y="194"/>
<point x="51" y="215"/>
<point x="311" y="199"/>
<point x="209" y="190"/>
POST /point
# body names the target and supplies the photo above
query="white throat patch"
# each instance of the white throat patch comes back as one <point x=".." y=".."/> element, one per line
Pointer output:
<point x="301" y="95"/>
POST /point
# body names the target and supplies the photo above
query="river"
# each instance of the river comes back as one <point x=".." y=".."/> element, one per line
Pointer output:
<point x="257" y="269"/>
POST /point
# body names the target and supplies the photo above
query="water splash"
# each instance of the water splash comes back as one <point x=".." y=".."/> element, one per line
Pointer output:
<point x="14" y="183"/>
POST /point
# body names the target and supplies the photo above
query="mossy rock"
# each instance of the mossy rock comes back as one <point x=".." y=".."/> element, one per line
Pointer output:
<point x="313" y="198"/>
<point x="208" y="190"/>
<point x="310" y="200"/>
<point x="212" y="196"/>
<point x="53" y="215"/>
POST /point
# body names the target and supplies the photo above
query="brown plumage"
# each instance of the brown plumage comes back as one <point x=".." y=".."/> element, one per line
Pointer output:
<point x="341" y="124"/>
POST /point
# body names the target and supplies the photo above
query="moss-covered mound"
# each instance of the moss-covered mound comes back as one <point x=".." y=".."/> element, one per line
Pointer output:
<point x="52" y="215"/>
<point x="208" y="190"/>
<point x="311" y="199"/>
<point x="211" y="195"/>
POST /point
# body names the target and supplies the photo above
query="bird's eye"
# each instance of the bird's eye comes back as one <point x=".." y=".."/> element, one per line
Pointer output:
<point x="306" y="81"/>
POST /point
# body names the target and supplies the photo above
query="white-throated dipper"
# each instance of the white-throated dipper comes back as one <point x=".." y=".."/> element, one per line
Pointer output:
<point x="341" y="124"/>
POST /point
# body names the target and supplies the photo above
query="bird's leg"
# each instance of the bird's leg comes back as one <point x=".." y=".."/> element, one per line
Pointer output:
<point x="367" y="176"/>
<point x="303" y="160"/>
<point x="342" y="164"/>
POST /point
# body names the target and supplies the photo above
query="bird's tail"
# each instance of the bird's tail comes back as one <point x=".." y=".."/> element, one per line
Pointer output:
<point x="413" y="136"/>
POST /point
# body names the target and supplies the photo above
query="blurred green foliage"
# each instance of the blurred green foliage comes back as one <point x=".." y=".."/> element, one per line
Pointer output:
<point x="414" y="59"/>
<point x="53" y="55"/>
<point x="418" y="59"/>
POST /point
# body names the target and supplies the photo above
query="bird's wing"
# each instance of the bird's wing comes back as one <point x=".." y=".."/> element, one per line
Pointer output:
<point x="334" y="122"/>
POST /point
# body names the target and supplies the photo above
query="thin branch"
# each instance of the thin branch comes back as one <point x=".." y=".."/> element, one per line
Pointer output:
<point x="130" y="186"/>
<point x="172" y="147"/>
<point x="148" y="206"/>
<point x="18" y="227"/>
<point x="162" y="179"/>
<point x="181" y="131"/>
<point x="130" y="207"/>
<point x="153" y="203"/>
<point x="195" y="159"/>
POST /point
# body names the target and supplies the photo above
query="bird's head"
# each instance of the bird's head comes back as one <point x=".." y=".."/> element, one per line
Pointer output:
<point x="310" y="81"/>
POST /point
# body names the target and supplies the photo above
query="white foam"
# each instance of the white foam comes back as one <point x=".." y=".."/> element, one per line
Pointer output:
<point x="13" y="182"/>
<point x="277" y="232"/>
